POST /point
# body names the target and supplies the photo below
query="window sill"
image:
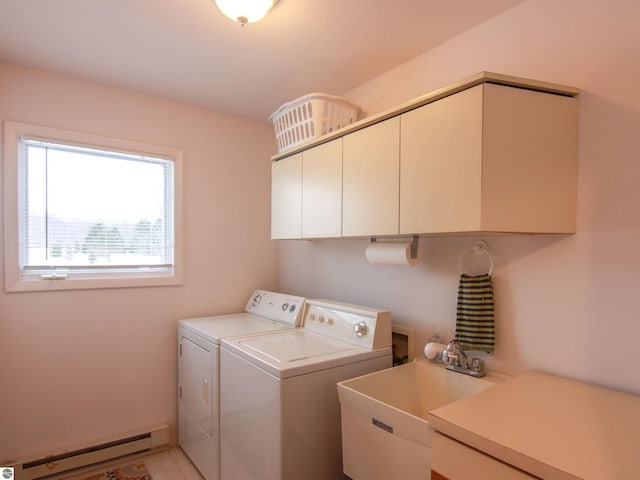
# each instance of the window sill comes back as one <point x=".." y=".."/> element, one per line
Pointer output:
<point x="34" y="283"/>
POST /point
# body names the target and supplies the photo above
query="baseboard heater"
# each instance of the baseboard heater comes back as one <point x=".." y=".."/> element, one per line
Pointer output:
<point x="52" y="464"/>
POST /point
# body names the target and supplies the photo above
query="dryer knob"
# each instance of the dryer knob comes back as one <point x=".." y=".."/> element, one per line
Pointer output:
<point x="360" y="329"/>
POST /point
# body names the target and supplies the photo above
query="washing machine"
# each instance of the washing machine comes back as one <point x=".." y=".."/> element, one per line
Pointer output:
<point x="199" y="369"/>
<point x="279" y="409"/>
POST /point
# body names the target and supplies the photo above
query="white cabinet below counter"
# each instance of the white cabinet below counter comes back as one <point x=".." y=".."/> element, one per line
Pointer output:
<point x="461" y="462"/>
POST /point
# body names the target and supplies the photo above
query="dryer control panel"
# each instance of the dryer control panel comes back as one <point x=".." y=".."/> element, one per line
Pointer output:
<point x="280" y="307"/>
<point x="365" y="327"/>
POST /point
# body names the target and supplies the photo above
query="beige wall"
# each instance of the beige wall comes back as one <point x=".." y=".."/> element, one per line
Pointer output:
<point x="76" y="366"/>
<point x="81" y="365"/>
<point x="565" y="304"/>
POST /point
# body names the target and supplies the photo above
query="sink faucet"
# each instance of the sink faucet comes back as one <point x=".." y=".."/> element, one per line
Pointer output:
<point x="457" y="360"/>
<point x="454" y="355"/>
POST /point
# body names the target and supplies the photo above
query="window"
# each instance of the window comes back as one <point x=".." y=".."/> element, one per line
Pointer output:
<point x="83" y="211"/>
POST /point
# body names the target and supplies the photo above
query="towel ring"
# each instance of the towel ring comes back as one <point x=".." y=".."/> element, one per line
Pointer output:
<point x="479" y="248"/>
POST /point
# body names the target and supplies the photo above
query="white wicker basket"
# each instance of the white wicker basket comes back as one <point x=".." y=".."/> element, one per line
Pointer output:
<point x="309" y="117"/>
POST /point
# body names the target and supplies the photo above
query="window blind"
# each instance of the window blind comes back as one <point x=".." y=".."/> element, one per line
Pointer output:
<point x="88" y="209"/>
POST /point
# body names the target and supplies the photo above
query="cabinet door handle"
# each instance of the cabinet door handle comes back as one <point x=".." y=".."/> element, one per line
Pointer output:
<point x="205" y="391"/>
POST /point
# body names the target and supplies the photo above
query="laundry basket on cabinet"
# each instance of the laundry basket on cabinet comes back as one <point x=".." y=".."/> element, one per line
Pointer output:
<point x="309" y="117"/>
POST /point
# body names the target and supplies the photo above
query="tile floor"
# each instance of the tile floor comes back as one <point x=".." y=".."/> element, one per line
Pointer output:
<point x="171" y="464"/>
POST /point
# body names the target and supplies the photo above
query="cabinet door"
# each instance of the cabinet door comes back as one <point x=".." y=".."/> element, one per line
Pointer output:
<point x="322" y="190"/>
<point x="441" y="165"/>
<point x="286" y="198"/>
<point x="530" y="160"/>
<point x="371" y="180"/>
<point x="452" y="460"/>
<point x="196" y="377"/>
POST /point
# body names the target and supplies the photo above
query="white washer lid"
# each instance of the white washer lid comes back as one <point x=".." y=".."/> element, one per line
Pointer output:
<point x="294" y="352"/>
<point x="291" y="348"/>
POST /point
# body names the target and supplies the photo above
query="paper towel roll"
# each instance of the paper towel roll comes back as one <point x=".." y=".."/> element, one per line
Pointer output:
<point x="390" y="253"/>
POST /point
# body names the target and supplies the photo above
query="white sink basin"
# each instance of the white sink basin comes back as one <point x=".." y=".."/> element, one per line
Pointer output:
<point x="385" y="433"/>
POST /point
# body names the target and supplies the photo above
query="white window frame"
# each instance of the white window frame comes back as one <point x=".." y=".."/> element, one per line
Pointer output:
<point x="15" y="281"/>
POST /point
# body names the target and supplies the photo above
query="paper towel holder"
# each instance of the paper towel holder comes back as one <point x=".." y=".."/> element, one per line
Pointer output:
<point x="414" y="246"/>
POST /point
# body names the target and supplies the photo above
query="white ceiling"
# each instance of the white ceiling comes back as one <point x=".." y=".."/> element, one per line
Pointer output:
<point x="188" y="51"/>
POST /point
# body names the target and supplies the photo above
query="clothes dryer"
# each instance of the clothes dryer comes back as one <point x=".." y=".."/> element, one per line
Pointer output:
<point x="280" y="415"/>
<point x="199" y="369"/>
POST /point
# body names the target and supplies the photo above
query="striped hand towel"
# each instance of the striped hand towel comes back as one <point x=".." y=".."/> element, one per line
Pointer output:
<point x="475" y="314"/>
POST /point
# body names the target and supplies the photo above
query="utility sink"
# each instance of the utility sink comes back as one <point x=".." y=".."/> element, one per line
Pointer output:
<point x="385" y="432"/>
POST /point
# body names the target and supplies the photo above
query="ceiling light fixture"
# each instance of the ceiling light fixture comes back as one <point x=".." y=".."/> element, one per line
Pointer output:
<point x="245" y="11"/>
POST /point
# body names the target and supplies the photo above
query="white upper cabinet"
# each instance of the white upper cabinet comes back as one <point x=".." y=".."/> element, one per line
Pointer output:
<point x="441" y="167"/>
<point x="529" y="161"/>
<point x="286" y="198"/>
<point x="371" y="180"/>
<point x="322" y="190"/>
<point x="489" y="154"/>
<point x="491" y="158"/>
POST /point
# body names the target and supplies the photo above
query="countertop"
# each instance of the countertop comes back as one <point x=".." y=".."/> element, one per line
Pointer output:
<point x="550" y="427"/>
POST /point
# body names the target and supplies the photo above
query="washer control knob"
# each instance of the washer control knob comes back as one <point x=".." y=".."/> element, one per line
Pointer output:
<point x="312" y="316"/>
<point x="330" y="321"/>
<point x="360" y="329"/>
<point x="257" y="299"/>
<point x="321" y="319"/>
